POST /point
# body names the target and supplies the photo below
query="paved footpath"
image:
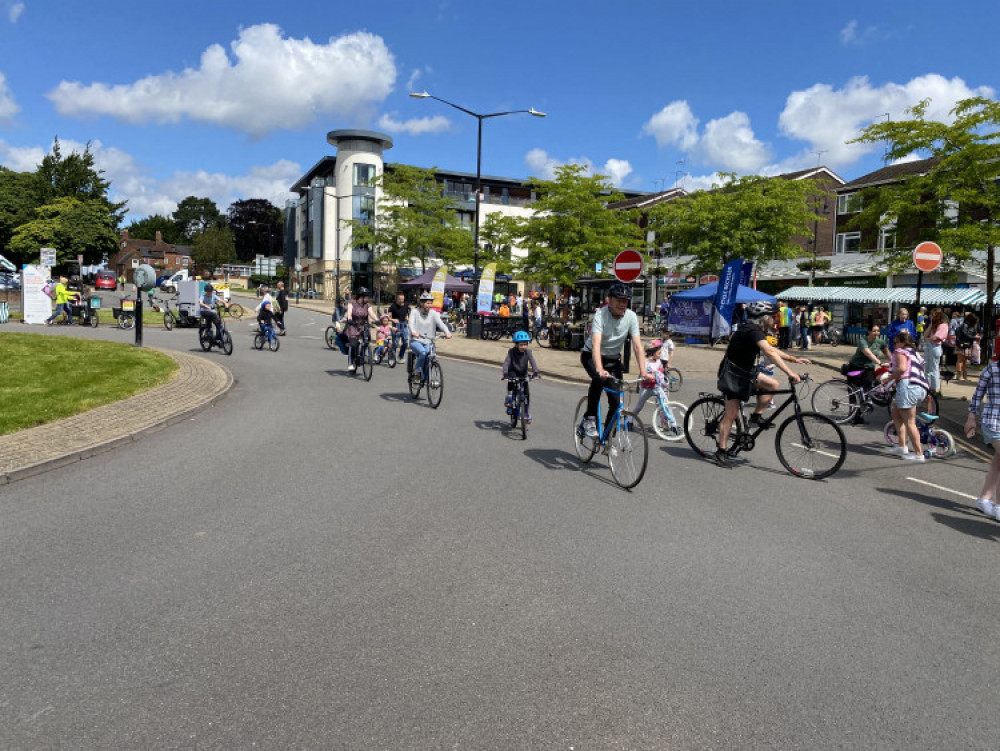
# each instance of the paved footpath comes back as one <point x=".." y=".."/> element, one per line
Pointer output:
<point x="200" y="382"/>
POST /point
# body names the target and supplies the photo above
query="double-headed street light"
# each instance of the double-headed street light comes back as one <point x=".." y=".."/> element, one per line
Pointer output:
<point x="479" y="160"/>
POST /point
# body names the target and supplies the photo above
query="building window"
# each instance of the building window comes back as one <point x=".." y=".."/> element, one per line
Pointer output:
<point x="364" y="209"/>
<point x="364" y="174"/>
<point x="848" y="242"/>
<point x="887" y="238"/>
<point x="848" y="203"/>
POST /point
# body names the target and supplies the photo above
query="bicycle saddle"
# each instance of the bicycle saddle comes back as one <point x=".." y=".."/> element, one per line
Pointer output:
<point x="928" y="418"/>
<point x="854" y="373"/>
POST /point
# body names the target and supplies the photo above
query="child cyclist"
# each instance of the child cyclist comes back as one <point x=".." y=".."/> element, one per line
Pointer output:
<point x="655" y="383"/>
<point x="265" y="319"/>
<point x="383" y="335"/>
<point x="515" y="365"/>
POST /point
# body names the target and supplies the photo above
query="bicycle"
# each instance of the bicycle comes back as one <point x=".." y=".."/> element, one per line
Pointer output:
<point x="541" y="335"/>
<point x="386" y="351"/>
<point x="808" y="444"/>
<point x="622" y="437"/>
<point x="665" y="418"/>
<point x="265" y="333"/>
<point x="674" y="379"/>
<point x="183" y="317"/>
<point x="431" y="375"/>
<point x="518" y="409"/>
<point x="363" y="358"/>
<point x="842" y="402"/>
<point x="207" y="338"/>
<point x="234" y="311"/>
<point x="934" y="441"/>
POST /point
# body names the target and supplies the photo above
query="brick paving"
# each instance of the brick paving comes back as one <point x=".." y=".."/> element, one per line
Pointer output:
<point x="198" y="383"/>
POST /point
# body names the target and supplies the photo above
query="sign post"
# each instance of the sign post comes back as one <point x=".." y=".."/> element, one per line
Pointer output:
<point x="927" y="256"/>
<point x="628" y="266"/>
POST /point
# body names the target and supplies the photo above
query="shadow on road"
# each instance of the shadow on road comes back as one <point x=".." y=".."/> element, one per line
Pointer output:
<point x="563" y="460"/>
<point x="969" y="521"/>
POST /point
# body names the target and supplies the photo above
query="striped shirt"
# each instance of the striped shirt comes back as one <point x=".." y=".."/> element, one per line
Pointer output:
<point x="988" y="388"/>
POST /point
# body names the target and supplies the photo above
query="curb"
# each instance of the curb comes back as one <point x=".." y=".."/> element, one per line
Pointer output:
<point x="107" y="444"/>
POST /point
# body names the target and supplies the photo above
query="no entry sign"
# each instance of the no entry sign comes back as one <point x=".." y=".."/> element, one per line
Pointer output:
<point x="628" y="265"/>
<point x="927" y="256"/>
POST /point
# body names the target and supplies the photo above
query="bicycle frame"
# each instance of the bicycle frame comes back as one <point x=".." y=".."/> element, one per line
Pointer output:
<point x="767" y="422"/>
<point x="604" y="429"/>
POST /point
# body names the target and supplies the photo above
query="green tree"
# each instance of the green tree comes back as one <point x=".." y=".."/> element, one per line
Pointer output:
<point x="70" y="226"/>
<point x="498" y="235"/>
<point x="572" y="228"/>
<point x="256" y="226"/>
<point x="75" y="176"/>
<point x="20" y="195"/>
<point x="195" y="215"/>
<point x="414" y="222"/>
<point x="956" y="202"/>
<point x="750" y="217"/>
<point x="147" y="227"/>
<point x="211" y="249"/>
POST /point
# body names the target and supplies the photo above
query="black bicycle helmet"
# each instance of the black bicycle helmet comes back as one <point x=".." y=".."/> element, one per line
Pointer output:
<point x="209" y="288"/>
<point x="620" y="290"/>
<point x="761" y="308"/>
<point x="362" y="292"/>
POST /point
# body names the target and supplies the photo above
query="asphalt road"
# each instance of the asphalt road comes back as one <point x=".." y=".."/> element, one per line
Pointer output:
<point x="320" y="562"/>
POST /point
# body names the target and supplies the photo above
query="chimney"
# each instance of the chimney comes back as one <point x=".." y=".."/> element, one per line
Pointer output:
<point x="159" y="237"/>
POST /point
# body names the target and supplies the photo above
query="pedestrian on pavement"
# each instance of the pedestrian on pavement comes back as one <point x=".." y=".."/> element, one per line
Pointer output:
<point x="279" y="314"/>
<point x="950" y="355"/>
<point x="871" y="350"/>
<point x="935" y="334"/>
<point x="62" y="296"/>
<point x="986" y="403"/>
<point x="965" y="337"/>
<point x="911" y="389"/>
<point x="804" y="327"/>
<point x="902" y="323"/>
<point x="400" y="313"/>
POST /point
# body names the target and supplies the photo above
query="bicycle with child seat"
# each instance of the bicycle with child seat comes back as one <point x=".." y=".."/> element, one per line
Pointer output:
<point x="518" y="409"/>
<point x="621" y="437"/>
<point x="431" y="376"/>
<point x="808" y="444"/>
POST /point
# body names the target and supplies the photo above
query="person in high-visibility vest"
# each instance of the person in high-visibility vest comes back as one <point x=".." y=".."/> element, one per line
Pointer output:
<point x="784" y="325"/>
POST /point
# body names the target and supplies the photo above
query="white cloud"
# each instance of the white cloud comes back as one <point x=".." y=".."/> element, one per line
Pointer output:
<point x="14" y="11"/>
<point x="826" y="118"/>
<point x="853" y="34"/>
<point x="411" y="82"/>
<point x="730" y="143"/>
<point x="543" y="165"/>
<point x="274" y="83"/>
<point x="414" y="126"/>
<point x="674" y="125"/>
<point x="21" y="158"/>
<point x="8" y="107"/>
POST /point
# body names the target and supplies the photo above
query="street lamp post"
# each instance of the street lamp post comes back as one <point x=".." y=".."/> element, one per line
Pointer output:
<point x="479" y="159"/>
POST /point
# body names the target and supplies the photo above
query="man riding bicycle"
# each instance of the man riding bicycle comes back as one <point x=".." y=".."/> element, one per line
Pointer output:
<point x="750" y="341"/>
<point x="206" y="304"/>
<point x="613" y="325"/>
<point x="424" y="322"/>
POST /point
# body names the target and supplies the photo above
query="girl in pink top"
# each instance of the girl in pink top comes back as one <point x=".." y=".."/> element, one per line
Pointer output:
<point x="934" y="337"/>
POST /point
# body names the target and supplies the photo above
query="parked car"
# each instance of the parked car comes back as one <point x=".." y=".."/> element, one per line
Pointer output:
<point x="106" y="280"/>
<point x="170" y="285"/>
<point x="161" y="279"/>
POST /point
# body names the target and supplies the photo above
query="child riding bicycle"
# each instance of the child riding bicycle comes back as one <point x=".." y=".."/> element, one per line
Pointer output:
<point x="383" y="335"/>
<point x="515" y="365"/>
<point x="655" y="384"/>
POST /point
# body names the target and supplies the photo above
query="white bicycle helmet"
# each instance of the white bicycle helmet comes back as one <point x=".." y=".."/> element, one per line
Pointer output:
<point x="760" y="308"/>
<point x="427" y="297"/>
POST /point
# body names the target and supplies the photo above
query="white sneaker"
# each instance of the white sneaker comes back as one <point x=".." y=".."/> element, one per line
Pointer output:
<point x="918" y="458"/>
<point x="590" y="427"/>
<point x="351" y="368"/>
<point x="996" y="512"/>
<point x="986" y="507"/>
<point x="899" y="451"/>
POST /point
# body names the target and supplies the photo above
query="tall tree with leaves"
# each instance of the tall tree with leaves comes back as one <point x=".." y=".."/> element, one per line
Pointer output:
<point x="956" y="200"/>
<point x="213" y="248"/>
<point x="572" y="228"/>
<point x="750" y="217"/>
<point x="256" y="226"/>
<point x="147" y="227"/>
<point x="72" y="227"/>
<point x="195" y="215"/>
<point x="20" y="195"/>
<point x="498" y="234"/>
<point x="413" y="222"/>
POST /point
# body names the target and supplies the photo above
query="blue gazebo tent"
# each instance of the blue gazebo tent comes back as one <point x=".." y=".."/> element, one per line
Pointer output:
<point x="708" y="291"/>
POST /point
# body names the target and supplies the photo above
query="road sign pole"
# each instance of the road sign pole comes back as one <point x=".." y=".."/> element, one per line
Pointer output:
<point x="920" y="283"/>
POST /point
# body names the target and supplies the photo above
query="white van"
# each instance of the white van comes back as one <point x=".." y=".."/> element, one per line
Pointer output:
<point x="171" y="284"/>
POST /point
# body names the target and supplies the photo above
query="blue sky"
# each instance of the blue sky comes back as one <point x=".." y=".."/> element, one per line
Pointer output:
<point x="233" y="100"/>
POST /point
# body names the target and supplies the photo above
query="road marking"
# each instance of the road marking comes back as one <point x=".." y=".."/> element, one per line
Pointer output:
<point x="824" y="453"/>
<point x="309" y="336"/>
<point x="941" y="487"/>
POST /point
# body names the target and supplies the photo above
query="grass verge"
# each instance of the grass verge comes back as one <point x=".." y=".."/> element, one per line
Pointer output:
<point x="51" y="377"/>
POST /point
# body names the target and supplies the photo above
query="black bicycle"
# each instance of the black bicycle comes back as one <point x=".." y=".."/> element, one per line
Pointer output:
<point x="518" y="408"/>
<point x="431" y="376"/>
<point x="363" y="358"/>
<point x="808" y="444"/>
<point x="208" y="339"/>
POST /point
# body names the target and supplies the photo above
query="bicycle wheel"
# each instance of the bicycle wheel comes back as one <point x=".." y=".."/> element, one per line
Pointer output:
<point x="258" y="340"/>
<point x="674" y="379"/>
<point x="227" y="343"/>
<point x="168" y="321"/>
<point x="235" y="311"/>
<point x="662" y="425"/>
<point x="273" y="343"/>
<point x="585" y="445"/>
<point x="813" y="449"/>
<point x="629" y="451"/>
<point x="331" y="337"/>
<point x="435" y="384"/>
<point x="833" y="399"/>
<point x="522" y="408"/>
<point x="411" y="377"/>
<point x="390" y="356"/>
<point x="93" y="319"/>
<point x="942" y="445"/>
<point x="205" y="338"/>
<point x="514" y="406"/>
<point x="891" y="436"/>
<point x="701" y="425"/>
<point x="542" y="337"/>
<point x="366" y="361"/>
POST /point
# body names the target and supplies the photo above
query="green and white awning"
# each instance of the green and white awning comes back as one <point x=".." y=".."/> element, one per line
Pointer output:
<point x="928" y="295"/>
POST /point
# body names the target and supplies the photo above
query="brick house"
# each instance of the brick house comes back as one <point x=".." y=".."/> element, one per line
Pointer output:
<point x="162" y="256"/>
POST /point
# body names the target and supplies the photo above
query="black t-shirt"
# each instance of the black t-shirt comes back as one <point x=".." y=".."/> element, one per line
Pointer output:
<point x="282" y="298"/>
<point x="399" y="312"/>
<point x="743" y="349"/>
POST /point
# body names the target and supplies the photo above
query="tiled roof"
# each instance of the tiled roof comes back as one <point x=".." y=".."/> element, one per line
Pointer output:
<point x="649" y="199"/>
<point x="891" y="174"/>
<point x="928" y="295"/>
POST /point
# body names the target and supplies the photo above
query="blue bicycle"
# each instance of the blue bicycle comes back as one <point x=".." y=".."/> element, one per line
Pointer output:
<point x="265" y="333"/>
<point x="621" y="437"/>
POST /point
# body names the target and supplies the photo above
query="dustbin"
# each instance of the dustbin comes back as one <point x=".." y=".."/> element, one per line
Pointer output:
<point x="474" y="327"/>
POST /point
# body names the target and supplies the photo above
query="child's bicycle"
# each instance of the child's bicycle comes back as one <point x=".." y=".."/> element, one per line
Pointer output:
<point x="386" y="351"/>
<point x="265" y="333"/>
<point x="934" y="441"/>
<point x="518" y="409"/>
<point x="621" y="437"/>
<point x="668" y="417"/>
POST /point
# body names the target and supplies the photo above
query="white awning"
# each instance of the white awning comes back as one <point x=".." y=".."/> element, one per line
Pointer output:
<point x="928" y="295"/>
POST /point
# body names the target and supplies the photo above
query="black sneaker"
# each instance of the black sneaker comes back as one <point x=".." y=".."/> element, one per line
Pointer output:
<point x="759" y="421"/>
<point x="721" y="458"/>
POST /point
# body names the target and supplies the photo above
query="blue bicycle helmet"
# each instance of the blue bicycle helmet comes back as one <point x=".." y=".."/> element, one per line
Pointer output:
<point x="521" y="336"/>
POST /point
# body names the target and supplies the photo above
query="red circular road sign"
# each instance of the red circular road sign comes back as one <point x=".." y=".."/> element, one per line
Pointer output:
<point x="927" y="256"/>
<point x="628" y="265"/>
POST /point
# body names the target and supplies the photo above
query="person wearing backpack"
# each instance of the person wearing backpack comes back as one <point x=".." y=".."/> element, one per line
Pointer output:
<point x="965" y="337"/>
